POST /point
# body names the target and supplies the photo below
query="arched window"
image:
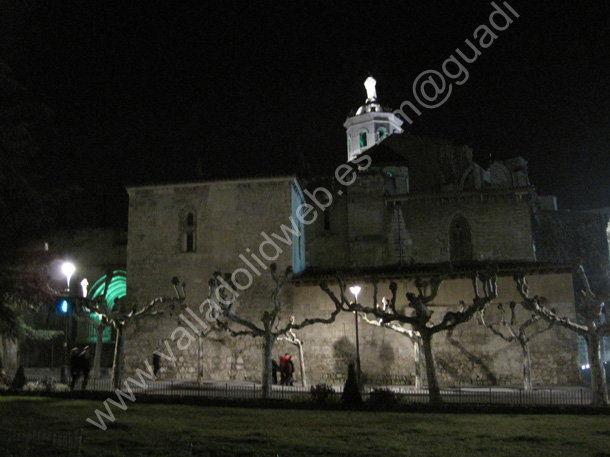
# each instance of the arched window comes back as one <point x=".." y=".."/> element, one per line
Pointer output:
<point x="460" y="240"/>
<point x="363" y="139"/>
<point x="381" y="134"/>
<point x="188" y="229"/>
<point x="349" y="144"/>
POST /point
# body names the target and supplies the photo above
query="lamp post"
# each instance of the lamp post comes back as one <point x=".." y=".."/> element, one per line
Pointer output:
<point x="68" y="270"/>
<point x="355" y="290"/>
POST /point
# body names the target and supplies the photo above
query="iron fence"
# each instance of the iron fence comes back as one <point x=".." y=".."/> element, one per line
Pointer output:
<point x="549" y="396"/>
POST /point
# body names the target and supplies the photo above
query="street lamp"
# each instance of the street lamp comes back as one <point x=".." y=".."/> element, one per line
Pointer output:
<point x="68" y="270"/>
<point x="355" y="290"/>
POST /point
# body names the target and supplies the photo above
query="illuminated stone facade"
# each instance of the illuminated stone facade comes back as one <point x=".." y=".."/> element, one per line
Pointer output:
<point x="415" y="206"/>
<point x="378" y="226"/>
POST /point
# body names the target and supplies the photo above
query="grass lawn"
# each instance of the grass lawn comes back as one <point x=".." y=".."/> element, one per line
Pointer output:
<point x="167" y="430"/>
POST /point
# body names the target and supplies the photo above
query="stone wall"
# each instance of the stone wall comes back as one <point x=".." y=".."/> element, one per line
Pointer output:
<point x="230" y="219"/>
<point x="500" y="225"/>
<point x="470" y="354"/>
<point x="363" y="226"/>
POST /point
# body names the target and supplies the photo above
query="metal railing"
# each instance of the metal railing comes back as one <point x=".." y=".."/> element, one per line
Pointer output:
<point x="549" y="396"/>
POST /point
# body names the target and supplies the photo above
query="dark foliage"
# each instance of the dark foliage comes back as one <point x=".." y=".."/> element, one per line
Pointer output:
<point x="321" y="392"/>
<point x="19" y="379"/>
<point x="383" y="399"/>
<point x="351" y="397"/>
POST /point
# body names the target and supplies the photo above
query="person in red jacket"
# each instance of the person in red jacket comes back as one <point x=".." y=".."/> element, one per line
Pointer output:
<point x="289" y="371"/>
<point x="283" y="368"/>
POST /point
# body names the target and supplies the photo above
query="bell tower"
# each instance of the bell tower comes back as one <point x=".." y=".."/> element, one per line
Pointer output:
<point x="371" y="124"/>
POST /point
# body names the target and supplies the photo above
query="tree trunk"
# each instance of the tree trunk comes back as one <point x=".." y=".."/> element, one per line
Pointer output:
<point x="1" y="352"/>
<point x="598" y="375"/>
<point x="9" y="354"/>
<point x="268" y="341"/>
<point x="434" y="390"/>
<point x="97" y="356"/>
<point x="527" y="365"/>
<point x="119" y="358"/>
<point x="302" y="363"/>
<point x="418" y="364"/>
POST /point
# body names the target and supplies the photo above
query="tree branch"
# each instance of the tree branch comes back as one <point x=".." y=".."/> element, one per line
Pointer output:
<point x="537" y="305"/>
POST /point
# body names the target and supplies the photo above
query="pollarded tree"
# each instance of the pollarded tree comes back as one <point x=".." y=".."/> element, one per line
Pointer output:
<point x="292" y="338"/>
<point x="510" y="331"/>
<point x="99" y="320"/>
<point x="268" y="329"/>
<point x="593" y="326"/>
<point x="121" y="315"/>
<point x="413" y="336"/>
<point x="421" y="319"/>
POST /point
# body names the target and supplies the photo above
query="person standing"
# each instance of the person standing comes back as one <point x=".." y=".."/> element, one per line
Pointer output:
<point x="289" y="372"/>
<point x="156" y="360"/>
<point x="274" y="369"/>
<point x="283" y="370"/>
<point x="74" y="367"/>
<point x="85" y="365"/>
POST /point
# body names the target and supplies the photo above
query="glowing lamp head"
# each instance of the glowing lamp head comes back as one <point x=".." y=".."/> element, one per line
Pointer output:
<point x="355" y="290"/>
<point x="68" y="270"/>
<point x="63" y="307"/>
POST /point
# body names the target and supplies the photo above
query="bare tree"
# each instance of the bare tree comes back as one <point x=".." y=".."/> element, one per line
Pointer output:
<point x="591" y="328"/>
<point x="292" y="338"/>
<point x="413" y="336"/>
<point x="119" y="317"/>
<point x="509" y="330"/>
<point x="421" y="320"/>
<point x="268" y="329"/>
<point x="100" y="322"/>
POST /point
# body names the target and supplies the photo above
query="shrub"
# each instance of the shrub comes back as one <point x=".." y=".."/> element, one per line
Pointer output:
<point x="33" y="387"/>
<point x="19" y="380"/>
<point x="47" y="383"/>
<point x="321" y="392"/>
<point x="351" y="397"/>
<point x="61" y="387"/>
<point x="383" y="398"/>
<point x="299" y="398"/>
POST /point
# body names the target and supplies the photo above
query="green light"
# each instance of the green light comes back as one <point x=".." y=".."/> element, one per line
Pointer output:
<point x="363" y="139"/>
<point x="116" y="289"/>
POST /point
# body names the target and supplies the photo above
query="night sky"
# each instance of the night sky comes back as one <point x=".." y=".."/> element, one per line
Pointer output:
<point x="141" y="92"/>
